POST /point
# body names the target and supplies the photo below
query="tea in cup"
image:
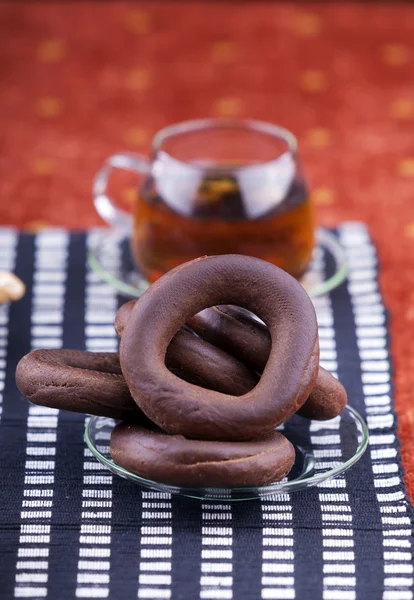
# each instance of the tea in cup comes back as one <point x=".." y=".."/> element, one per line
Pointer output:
<point x="215" y="186"/>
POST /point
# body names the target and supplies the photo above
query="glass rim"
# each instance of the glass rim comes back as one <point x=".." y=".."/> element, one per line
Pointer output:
<point x="254" y="125"/>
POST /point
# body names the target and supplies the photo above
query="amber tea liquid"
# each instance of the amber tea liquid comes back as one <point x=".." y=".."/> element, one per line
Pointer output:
<point x="219" y="223"/>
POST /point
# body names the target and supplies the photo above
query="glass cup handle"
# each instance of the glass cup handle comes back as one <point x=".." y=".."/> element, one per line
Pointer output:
<point x="104" y="204"/>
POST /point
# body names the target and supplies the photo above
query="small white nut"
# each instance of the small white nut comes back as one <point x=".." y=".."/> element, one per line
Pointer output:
<point x="11" y="287"/>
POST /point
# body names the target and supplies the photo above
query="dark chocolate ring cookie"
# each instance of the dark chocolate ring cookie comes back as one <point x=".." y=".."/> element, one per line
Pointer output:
<point x="236" y="332"/>
<point x="175" y="460"/>
<point x="199" y="362"/>
<point x="182" y="408"/>
<point x="122" y="316"/>
<point x="327" y="399"/>
<point x="87" y="382"/>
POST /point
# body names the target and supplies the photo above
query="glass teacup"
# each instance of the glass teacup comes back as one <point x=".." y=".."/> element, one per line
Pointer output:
<point x="215" y="186"/>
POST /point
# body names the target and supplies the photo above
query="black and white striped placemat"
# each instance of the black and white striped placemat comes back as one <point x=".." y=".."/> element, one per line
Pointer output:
<point x="69" y="529"/>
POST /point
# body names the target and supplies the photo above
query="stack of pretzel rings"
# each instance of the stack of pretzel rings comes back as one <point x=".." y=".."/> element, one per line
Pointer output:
<point x="200" y="384"/>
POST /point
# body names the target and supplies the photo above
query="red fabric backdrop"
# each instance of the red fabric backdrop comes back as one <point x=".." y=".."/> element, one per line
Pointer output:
<point x="83" y="80"/>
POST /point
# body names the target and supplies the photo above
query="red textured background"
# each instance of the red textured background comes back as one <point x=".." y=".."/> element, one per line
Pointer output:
<point x="83" y="80"/>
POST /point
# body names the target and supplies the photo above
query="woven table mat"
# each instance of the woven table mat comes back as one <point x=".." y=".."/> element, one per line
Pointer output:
<point x="69" y="529"/>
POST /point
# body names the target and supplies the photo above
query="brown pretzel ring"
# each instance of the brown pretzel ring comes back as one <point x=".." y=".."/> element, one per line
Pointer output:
<point x="175" y="460"/>
<point x="233" y="330"/>
<point x="182" y="408"/>
<point x="92" y="383"/>
<point x="240" y="335"/>
<point x="327" y="399"/>
<point x="198" y="361"/>
<point x="236" y="332"/>
<point x="86" y="382"/>
<point x="202" y="364"/>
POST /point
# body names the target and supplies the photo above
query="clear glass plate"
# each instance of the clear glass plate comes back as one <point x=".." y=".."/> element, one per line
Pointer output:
<point x="323" y="452"/>
<point x="130" y="282"/>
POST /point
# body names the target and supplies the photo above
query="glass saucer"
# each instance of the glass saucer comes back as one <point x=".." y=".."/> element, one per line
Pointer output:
<point x="127" y="280"/>
<point x="323" y="451"/>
